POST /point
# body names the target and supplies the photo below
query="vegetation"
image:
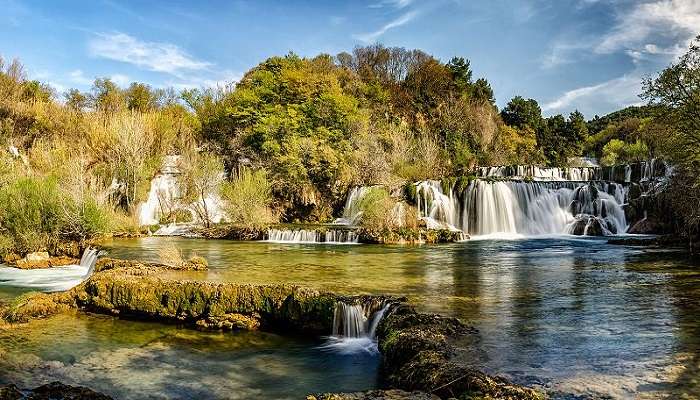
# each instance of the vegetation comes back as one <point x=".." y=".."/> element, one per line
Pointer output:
<point x="248" y="199"/>
<point x="289" y="139"/>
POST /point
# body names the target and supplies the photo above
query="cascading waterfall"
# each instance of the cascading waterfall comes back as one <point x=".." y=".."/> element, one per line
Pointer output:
<point x="55" y="279"/>
<point x="355" y="326"/>
<point x="351" y="211"/>
<point x="165" y="196"/>
<point x="330" y="236"/>
<point x="516" y="208"/>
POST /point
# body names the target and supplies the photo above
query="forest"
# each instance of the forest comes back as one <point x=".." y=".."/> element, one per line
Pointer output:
<point x="289" y="140"/>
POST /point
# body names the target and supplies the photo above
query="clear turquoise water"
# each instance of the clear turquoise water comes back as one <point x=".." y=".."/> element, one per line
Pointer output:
<point x="576" y="317"/>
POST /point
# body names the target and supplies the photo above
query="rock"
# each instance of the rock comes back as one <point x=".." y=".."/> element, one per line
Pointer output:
<point x="375" y="395"/>
<point x="645" y="226"/>
<point x="32" y="306"/>
<point x="587" y="225"/>
<point x="39" y="260"/>
<point x="409" y="235"/>
<point x="51" y="391"/>
<point x="416" y="355"/>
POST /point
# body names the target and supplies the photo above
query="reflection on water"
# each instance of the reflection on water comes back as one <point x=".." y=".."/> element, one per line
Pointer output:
<point x="132" y="360"/>
<point x="570" y="315"/>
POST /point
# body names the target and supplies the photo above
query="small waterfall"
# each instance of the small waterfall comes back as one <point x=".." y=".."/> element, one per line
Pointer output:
<point x="351" y="212"/>
<point x="355" y="326"/>
<point x="349" y="321"/>
<point x="331" y="236"/>
<point x="55" y="279"/>
<point x="165" y="195"/>
<point x="538" y="173"/>
<point x="437" y="209"/>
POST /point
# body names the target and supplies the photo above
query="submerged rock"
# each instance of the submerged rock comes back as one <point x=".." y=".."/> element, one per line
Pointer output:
<point x="51" y="391"/>
<point x="392" y="394"/>
<point x="417" y="354"/>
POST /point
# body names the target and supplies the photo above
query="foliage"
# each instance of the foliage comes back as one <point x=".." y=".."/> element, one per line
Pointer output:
<point x="35" y="212"/>
<point x="200" y="177"/>
<point x="248" y="199"/>
<point x="377" y="208"/>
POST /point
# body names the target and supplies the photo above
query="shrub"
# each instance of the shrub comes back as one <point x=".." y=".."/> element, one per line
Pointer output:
<point x="376" y="207"/>
<point x="248" y="199"/>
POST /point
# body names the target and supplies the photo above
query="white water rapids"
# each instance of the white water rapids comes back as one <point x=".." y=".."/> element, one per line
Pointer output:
<point x="54" y="279"/>
<point x="516" y="208"/>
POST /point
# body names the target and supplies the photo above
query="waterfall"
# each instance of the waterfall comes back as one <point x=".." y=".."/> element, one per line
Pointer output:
<point x="330" y="236"/>
<point x="351" y="212"/>
<point x="349" y="321"/>
<point x="436" y="208"/>
<point x="355" y="326"/>
<point x="165" y="195"/>
<point x="538" y="173"/>
<point x="55" y="279"/>
<point x="517" y="208"/>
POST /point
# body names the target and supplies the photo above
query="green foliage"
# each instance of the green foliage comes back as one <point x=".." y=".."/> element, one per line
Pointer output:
<point x="376" y="207"/>
<point x="249" y="198"/>
<point x="618" y="152"/>
<point x="34" y="212"/>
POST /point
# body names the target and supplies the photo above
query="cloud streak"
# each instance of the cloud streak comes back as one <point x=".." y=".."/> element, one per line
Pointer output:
<point x="403" y="19"/>
<point x="154" y="56"/>
<point x="615" y="93"/>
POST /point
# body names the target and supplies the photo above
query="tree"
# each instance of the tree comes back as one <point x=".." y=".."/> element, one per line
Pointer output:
<point x="522" y="113"/>
<point x="677" y="90"/>
<point x="140" y="97"/>
<point x="481" y="91"/>
<point x="201" y="175"/>
<point x="461" y="73"/>
<point x="76" y="100"/>
<point x="106" y="96"/>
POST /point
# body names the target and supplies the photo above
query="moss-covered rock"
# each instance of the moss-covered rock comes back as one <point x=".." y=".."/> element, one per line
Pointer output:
<point x="51" y="391"/>
<point x="30" y="306"/>
<point x="391" y="394"/>
<point x="409" y="236"/>
<point x="417" y="350"/>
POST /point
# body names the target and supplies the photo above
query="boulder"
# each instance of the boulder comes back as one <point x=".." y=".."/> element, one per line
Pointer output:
<point x="51" y="391"/>
<point x="392" y="394"/>
<point x="417" y="351"/>
<point x="645" y="226"/>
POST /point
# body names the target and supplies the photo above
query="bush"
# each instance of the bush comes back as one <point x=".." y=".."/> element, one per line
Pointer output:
<point x="248" y="198"/>
<point x="34" y="213"/>
<point x="376" y="207"/>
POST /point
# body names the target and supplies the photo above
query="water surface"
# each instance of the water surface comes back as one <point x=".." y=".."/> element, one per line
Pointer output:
<point x="574" y="316"/>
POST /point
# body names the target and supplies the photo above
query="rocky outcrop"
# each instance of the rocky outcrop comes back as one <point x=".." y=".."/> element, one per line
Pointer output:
<point x="409" y="235"/>
<point x="375" y="395"/>
<point x="40" y="260"/>
<point x="417" y="354"/>
<point x="231" y="232"/>
<point x="138" y="290"/>
<point x="51" y="391"/>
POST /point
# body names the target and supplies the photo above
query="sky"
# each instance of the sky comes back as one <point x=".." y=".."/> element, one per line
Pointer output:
<point x="589" y="55"/>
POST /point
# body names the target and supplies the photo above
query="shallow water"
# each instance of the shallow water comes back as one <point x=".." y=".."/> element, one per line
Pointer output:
<point x="576" y="317"/>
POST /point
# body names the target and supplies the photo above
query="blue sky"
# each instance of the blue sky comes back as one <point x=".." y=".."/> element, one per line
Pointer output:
<point x="567" y="54"/>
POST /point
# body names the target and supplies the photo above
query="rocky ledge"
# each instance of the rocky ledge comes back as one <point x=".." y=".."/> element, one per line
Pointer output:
<point x="51" y="391"/>
<point x="417" y="351"/>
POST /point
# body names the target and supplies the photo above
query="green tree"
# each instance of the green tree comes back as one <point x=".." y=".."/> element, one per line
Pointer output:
<point x="521" y="113"/>
<point x="140" y="97"/>
<point x="76" y="100"/>
<point x="106" y="96"/>
<point x="461" y="73"/>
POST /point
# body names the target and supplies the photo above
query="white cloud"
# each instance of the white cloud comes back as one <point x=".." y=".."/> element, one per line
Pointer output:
<point x="119" y="79"/>
<point x="154" y="56"/>
<point x="401" y="20"/>
<point x="78" y="77"/>
<point x="392" y="3"/>
<point x="615" y="93"/>
<point x="636" y="28"/>
<point x="223" y="79"/>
